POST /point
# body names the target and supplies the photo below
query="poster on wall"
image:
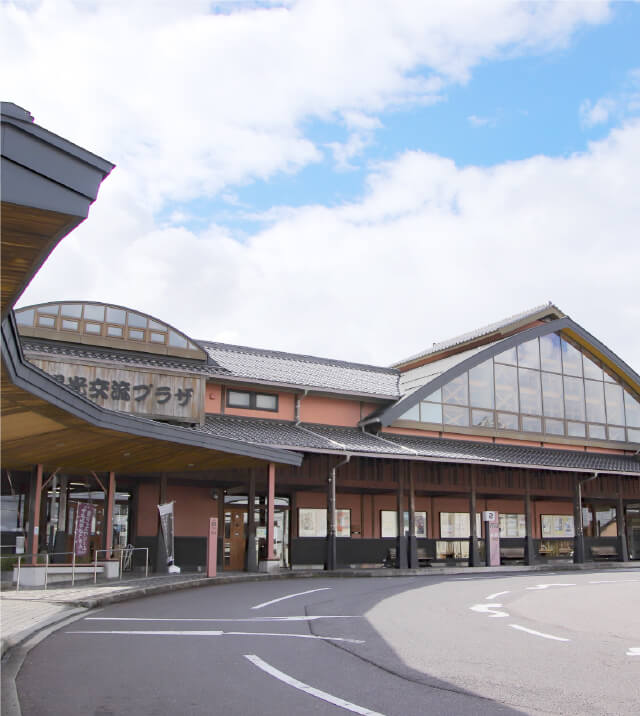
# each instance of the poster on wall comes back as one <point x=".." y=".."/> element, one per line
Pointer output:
<point x="312" y="522"/>
<point x="557" y="526"/>
<point x="389" y="523"/>
<point x="456" y="524"/>
<point x="85" y="513"/>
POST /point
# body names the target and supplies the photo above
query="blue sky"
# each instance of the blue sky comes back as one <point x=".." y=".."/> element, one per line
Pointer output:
<point x="344" y="178"/>
<point x="511" y="108"/>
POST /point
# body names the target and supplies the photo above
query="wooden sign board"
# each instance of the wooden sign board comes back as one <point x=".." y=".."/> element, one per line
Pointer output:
<point x="146" y="393"/>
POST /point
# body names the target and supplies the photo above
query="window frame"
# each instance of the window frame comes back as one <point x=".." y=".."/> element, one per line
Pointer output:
<point x="253" y="394"/>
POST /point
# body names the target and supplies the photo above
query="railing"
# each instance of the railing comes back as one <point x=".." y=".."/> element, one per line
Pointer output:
<point x="124" y="559"/>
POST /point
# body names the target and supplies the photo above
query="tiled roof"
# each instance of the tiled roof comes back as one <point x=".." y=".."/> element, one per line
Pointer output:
<point x="305" y="371"/>
<point x="532" y="313"/>
<point x="144" y="360"/>
<point x="323" y="438"/>
<point x="246" y="365"/>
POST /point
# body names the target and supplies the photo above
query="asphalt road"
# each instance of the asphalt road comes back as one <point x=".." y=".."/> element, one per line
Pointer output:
<point x="415" y="645"/>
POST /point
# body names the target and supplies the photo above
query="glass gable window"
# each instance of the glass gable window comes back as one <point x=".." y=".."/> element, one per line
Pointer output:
<point x="544" y="386"/>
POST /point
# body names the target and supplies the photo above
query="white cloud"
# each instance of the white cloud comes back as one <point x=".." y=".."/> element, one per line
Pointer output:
<point x="190" y="105"/>
<point x="187" y="102"/>
<point x="431" y="250"/>
<point x="476" y="121"/>
<point x="615" y="106"/>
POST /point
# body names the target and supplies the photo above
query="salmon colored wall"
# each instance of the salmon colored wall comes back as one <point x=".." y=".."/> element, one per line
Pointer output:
<point x="147" y="517"/>
<point x="329" y="411"/>
<point x="367" y="408"/>
<point x="214" y="400"/>
<point x="192" y="510"/>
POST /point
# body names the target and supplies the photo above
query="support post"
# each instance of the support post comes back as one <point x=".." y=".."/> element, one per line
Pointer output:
<point x="578" y="540"/>
<point x="108" y="515"/>
<point x="271" y="512"/>
<point x="53" y="525"/>
<point x="413" y="542"/>
<point x="252" y="558"/>
<point x="623" y="550"/>
<point x="401" y="542"/>
<point x="35" y="495"/>
<point x="331" y="521"/>
<point x="474" y="556"/>
<point x="221" y="527"/>
<point x="529" y="551"/>
<point x="161" y="552"/>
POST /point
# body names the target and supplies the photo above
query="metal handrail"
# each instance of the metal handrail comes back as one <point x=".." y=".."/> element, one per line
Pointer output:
<point x="47" y="556"/>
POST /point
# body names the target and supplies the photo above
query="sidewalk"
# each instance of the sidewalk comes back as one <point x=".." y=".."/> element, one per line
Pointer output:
<point x="26" y="612"/>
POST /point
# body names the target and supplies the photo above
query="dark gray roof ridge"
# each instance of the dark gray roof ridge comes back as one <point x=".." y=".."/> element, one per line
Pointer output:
<point x="303" y="358"/>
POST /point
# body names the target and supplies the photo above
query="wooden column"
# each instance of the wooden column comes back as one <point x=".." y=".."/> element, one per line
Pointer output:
<point x="35" y="496"/>
<point x="108" y="514"/>
<point x="271" y="511"/>
<point x="529" y="550"/>
<point x="401" y="542"/>
<point x="578" y="541"/>
<point x="623" y="549"/>
<point x="251" y="561"/>
<point x="413" y="543"/>
<point x="331" y="521"/>
<point x="474" y="556"/>
<point x="221" y="527"/>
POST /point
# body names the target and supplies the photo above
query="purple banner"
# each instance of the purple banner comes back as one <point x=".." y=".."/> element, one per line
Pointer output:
<point x="84" y="517"/>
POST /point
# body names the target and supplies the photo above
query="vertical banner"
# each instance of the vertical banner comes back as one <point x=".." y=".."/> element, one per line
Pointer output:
<point x="85" y="513"/>
<point x="492" y="537"/>
<point x="166" y="523"/>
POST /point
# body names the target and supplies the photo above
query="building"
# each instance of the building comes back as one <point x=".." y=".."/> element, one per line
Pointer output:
<point x="315" y="462"/>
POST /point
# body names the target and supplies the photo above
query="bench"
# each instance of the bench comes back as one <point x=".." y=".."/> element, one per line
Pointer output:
<point x="511" y="553"/>
<point x="392" y="555"/>
<point x="604" y="552"/>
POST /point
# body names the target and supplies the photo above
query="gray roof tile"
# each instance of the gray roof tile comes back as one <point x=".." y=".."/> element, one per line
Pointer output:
<point x="304" y="371"/>
<point x="274" y="433"/>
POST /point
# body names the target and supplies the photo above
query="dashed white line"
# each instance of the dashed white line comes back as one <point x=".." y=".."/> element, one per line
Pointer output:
<point x="289" y="596"/>
<point x="538" y="633"/>
<point x="634" y="651"/>
<point x="497" y="594"/>
<point x="217" y="619"/>
<point x="603" y="581"/>
<point x="493" y="610"/>
<point x="312" y="691"/>
<point x="193" y="632"/>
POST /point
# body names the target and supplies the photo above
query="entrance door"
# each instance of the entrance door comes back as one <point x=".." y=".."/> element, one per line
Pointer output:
<point x="235" y="519"/>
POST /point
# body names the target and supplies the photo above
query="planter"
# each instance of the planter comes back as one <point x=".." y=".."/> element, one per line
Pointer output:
<point x="269" y="565"/>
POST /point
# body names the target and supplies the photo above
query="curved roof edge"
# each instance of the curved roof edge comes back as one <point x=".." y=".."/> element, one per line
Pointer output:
<point x="389" y="415"/>
<point x="152" y="325"/>
<point x="38" y="383"/>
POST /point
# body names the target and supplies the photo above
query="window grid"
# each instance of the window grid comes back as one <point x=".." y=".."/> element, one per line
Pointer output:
<point x="453" y="411"/>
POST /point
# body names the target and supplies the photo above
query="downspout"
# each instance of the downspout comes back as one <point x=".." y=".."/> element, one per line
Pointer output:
<point x="297" y="419"/>
<point x="331" y="515"/>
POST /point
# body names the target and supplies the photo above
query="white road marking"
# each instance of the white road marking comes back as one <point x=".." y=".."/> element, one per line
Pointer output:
<point x="290" y="596"/>
<point x="493" y="610"/>
<point x="497" y="594"/>
<point x="554" y="584"/>
<point x="604" y="581"/>
<point x="538" y="633"/>
<point x="290" y="681"/>
<point x="462" y="579"/>
<point x="193" y="632"/>
<point x="634" y="651"/>
<point x="216" y="619"/>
